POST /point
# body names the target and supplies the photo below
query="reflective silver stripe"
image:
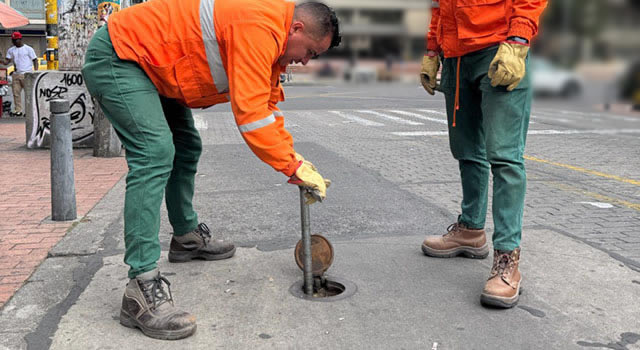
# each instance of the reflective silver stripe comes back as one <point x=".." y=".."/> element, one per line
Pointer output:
<point x="435" y="4"/>
<point x="257" y="124"/>
<point x="278" y="114"/>
<point x="211" y="46"/>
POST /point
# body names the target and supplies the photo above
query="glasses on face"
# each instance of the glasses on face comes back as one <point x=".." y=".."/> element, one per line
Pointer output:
<point x="312" y="54"/>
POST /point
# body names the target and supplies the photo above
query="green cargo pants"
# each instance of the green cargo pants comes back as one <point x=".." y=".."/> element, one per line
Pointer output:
<point x="162" y="150"/>
<point x="490" y="134"/>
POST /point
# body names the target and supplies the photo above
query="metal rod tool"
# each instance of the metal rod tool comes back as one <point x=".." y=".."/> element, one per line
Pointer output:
<point x="306" y="242"/>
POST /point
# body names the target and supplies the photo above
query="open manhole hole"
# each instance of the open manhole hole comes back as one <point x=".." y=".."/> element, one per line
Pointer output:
<point x="325" y="289"/>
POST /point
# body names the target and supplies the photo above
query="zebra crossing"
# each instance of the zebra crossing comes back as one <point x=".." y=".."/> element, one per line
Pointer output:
<point x="543" y="122"/>
<point x="423" y="122"/>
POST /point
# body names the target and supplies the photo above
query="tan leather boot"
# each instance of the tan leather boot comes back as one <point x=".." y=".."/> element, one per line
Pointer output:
<point x="198" y="244"/>
<point x="503" y="286"/>
<point x="459" y="240"/>
<point x="148" y="306"/>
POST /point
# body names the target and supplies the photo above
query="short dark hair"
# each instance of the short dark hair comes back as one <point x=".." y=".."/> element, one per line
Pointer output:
<point x="325" y="19"/>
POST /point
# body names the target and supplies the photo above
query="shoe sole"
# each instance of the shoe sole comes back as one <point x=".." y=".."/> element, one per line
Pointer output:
<point x="469" y="252"/>
<point x="188" y="256"/>
<point x="131" y="322"/>
<point x="501" y="302"/>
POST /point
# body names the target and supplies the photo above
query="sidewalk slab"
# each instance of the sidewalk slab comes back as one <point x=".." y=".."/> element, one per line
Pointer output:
<point x="575" y="297"/>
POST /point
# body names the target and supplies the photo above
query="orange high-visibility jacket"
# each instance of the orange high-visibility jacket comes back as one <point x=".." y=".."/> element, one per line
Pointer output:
<point x="459" y="27"/>
<point x="204" y="52"/>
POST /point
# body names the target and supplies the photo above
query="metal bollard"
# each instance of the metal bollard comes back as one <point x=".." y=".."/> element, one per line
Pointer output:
<point x="63" y="192"/>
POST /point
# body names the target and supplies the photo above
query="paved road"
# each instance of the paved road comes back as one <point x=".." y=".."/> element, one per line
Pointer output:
<point x="583" y="164"/>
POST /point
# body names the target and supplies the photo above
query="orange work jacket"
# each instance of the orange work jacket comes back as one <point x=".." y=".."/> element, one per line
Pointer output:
<point x="204" y="52"/>
<point x="459" y="27"/>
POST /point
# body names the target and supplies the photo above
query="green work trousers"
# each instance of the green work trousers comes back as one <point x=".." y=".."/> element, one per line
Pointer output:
<point x="489" y="135"/>
<point x="162" y="150"/>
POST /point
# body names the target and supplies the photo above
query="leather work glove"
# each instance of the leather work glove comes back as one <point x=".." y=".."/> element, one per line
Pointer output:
<point x="430" y="66"/>
<point x="508" y="66"/>
<point x="299" y="157"/>
<point x="307" y="176"/>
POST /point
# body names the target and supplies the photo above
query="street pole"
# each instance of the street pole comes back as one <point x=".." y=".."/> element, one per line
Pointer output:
<point x="51" y="7"/>
<point x="63" y="193"/>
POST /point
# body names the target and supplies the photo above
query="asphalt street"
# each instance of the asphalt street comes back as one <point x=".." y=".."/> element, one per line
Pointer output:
<point x="385" y="148"/>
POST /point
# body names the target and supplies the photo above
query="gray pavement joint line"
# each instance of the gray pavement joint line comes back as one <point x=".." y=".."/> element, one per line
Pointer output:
<point x="633" y="265"/>
<point x="42" y="336"/>
<point x="68" y="255"/>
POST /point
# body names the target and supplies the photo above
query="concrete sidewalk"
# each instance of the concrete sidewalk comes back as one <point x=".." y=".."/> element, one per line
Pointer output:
<point x="404" y="301"/>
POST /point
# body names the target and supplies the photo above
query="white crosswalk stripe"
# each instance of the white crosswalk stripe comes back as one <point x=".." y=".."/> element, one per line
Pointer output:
<point x="577" y="116"/>
<point x="389" y="117"/>
<point x="433" y="111"/>
<point x="595" y="115"/>
<point x="420" y="133"/>
<point x="419" y="116"/>
<point x="532" y="132"/>
<point x="356" y="119"/>
<point x="553" y="119"/>
<point x="200" y="122"/>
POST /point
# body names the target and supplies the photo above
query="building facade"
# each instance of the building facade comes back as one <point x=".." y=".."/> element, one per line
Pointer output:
<point x="379" y="29"/>
<point x="33" y="34"/>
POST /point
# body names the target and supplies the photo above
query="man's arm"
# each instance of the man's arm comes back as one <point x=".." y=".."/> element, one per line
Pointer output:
<point x="525" y="18"/>
<point x="251" y="52"/>
<point x="432" y="41"/>
<point x="34" y="58"/>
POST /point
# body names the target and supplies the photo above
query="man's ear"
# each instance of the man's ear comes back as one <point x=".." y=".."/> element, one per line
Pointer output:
<point x="296" y="26"/>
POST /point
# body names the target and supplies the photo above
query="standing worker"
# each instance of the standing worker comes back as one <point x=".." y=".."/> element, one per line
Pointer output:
<point x="488" y="98"/>
<point x="146" y="68"/>
<point x="25" y="60"/>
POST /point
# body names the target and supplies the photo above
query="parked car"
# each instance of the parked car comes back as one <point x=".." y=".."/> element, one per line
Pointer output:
<point x="551" y="80"/>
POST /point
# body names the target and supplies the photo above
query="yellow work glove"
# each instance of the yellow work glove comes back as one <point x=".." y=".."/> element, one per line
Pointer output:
<point x="430" y="66"/>
<point x="508" y="66"/>
<point x="307" y="176"/>
<point x="299" y="157"/>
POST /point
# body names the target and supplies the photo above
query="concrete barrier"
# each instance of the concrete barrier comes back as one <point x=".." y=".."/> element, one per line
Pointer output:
<point x="45" y="86"/>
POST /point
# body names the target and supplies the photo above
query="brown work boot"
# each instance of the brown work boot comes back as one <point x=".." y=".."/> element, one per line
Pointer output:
<point x="146" y="305"/>
<point x="503" y="287"/>
<point x="459" y="240"/>
<point x="198" y="244"/>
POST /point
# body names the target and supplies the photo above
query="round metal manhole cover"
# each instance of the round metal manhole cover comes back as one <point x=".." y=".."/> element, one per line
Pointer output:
<point x="333" y="289"/>
<point x="321" y="255"/>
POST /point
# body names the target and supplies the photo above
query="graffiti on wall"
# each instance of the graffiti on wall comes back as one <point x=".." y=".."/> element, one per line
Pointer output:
<point x="77" y="21"/>
<point x="69" y="86"/>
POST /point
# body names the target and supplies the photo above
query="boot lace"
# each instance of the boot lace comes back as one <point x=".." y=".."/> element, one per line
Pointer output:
<point x="204" y="232"/>
<point x="154" y="292"/>
<point x="503" y="266"/>
<point x="452" y="229"/>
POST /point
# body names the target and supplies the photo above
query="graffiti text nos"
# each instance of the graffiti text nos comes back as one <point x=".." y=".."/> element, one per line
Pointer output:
<point x="59" y="85"/>
<point x="59" y="91"/>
